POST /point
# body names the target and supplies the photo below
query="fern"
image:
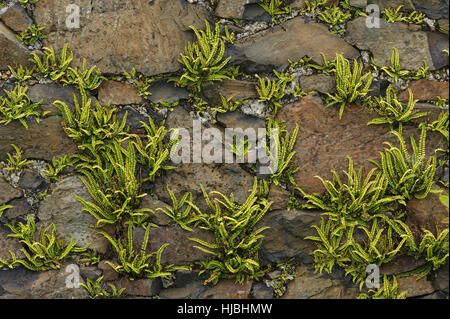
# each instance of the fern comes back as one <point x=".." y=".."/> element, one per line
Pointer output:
<point x="44" y="251"/>
<point x="408" y="175"/>
<point x="15" y="163"/>
<point x="17" y="106"/>
<point x="50" y="65"/>
<point x="235" y="250"/>
<point x="387" y="291"/>
<point x="275" y="7"/>
<point x="138" y="264"/>
<point x="394" y="70"/>
<point x="350" y="83"/>
<point x="203" y="60"/>
<point x="392" y="111"/>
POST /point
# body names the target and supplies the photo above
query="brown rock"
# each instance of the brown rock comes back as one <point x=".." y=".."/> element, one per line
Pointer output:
<point x="286" y="236"/>
<point x="428" y="213"/>
<point x="140" y="287"/>
<point x="227" y="289"/>
<point x="231" y="9"/>
<point x="108" y="273"/>
<point x="12" y="52"/>
<point x="154" y="32"/>
<point x="415" y="287"/>
<point x="118" y="93"/>
<point x="9" y="244"/>
<point x="308" y="285"/>
<point x="324" y="141"/>
<point x="181" y="250"/>
<point x="319" y="82"/>
<point x="7" y="192"/>
<point x="426" y="90"/>
<point x="156" y="216"/>
<point x="278" y="196"/>
<point x="16" y="18"/>
<point x="41" y="141"/>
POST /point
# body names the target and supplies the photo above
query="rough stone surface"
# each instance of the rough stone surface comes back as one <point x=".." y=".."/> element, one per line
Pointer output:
<point x="308" y="285"/>
<point x="21" y="208"/>
<point x="7" y="192"/>
<point x="41" y="141"/>
<point x="15" y="17"/>
<point x="237" y="120"/>
<point x="286" y="236"/>
<point x="414" y="287"/>
<point x="442" y="278"/>
<point x="413" y="46"/>
<point x="239" y="90"/>
<point x="31" y="180"/>
<point x="319" y="82"/>
<point x="227" y="289"/>
<point x="154" y="32"/>
<point x="231" y="8"/>
<point x="278" y="196"/>
<point x="11" y="49"/>
<point x="428" y="213"/>
<point x="140" y="287"/>
<point x="21" y="283"/>
<point x="324" y="141"/>
<point x="47" y="94"/>
<point x="261" y="291"/>
<point x="426" y="90"/>
<point x="66" y="212"/>
<point x="117" y="93"/>
<point x="227" y="179"/>
<point x="9" y="244"/>
<point x="293" y="40"/>
<point x="166" y="92"/>
<point x="401" y="264"/>
<point x="181" y="250"/>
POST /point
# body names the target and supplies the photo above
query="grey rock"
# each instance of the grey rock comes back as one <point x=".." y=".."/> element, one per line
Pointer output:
<point x="237" y="120"/>
<point x="31" y="180"/>
<point x="66" y="212"/>
<point x="271" y="49"/>
<point x="322" y="83"/>
<point x="166" y="92"/>
<point x="156" y="216"/>
<point x="7" y="192"/>
<point x="8" y="244"/>
<point x="11" y="50"/>
<point x="230" y="9"/>
<point x="21" y="209"/>
<point x="414" y="46"/>
<point x="261" y="291"/>
<point x="285" y="238"/>
<point x="181" y="250"/>
<point x="442" y="279"/>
